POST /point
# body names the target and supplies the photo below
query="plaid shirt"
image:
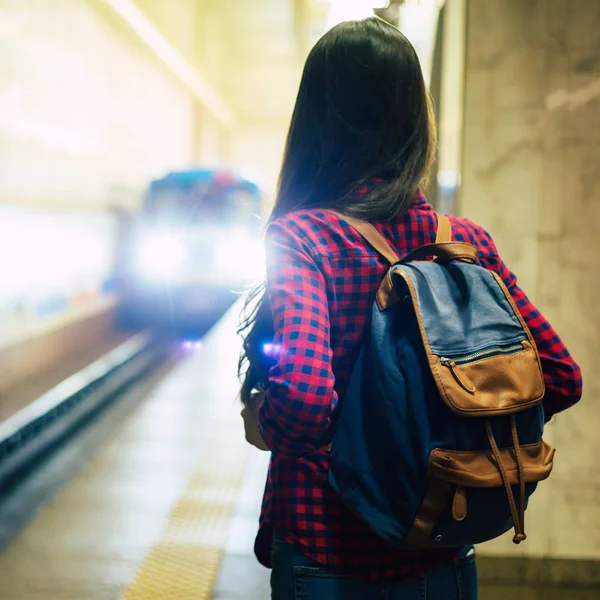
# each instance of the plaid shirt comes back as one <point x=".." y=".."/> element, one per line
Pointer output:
<point x="322" y="278"/>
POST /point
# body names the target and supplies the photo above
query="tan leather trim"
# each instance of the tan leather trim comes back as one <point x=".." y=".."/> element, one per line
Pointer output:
<point x="501" y="384"/>
<point x="459" y="504"/>
<point x="386" y="295"/>
<point x="477" y="469"/>
<point x="444" y="252"/>
<point x="444" y="229"/>
<point x="437" y="497"/>
<point x="522" y="321"/>
<point x="527" y="383"/>
<point x="451" y="471"/>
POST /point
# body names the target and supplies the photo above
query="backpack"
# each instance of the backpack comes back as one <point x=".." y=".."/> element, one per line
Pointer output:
<point x="438" y="439"/>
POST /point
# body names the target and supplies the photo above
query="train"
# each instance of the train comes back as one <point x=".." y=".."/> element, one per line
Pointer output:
<point x="192" y="250"/>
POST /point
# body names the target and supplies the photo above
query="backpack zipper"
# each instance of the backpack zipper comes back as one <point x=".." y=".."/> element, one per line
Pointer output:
<point x="461" y="377"/>
<point x="459" y="360"/>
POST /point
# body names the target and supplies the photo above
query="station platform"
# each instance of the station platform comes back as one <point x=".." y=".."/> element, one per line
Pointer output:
<point x="159" y="497"/>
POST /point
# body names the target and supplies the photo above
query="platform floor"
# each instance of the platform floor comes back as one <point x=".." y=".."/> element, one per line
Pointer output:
<point x="149" y="511"/>
<point x="159" y="498"/>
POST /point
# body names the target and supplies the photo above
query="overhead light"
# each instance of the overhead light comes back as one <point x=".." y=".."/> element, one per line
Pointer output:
<point x="349" y="10"/>
<point x="172" y="58"/>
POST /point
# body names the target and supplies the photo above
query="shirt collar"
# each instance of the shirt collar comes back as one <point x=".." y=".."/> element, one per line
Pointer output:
<point x="419" y="198"/>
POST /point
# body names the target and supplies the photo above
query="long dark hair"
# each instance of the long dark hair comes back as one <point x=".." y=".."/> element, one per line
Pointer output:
<point x="363" y="113"/>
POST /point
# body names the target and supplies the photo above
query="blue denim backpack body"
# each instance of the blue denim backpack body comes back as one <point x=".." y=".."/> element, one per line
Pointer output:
<point x="438" y="439"/>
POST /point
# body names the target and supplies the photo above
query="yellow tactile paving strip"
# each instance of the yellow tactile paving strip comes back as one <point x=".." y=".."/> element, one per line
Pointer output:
<point x="184" y="562"/>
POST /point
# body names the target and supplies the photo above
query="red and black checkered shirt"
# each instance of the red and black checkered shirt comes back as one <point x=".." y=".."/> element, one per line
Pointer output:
<point x="322" y="278"/>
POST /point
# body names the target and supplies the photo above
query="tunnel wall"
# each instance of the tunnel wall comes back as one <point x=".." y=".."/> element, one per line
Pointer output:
<point x="79" y="100"/>
<point x="60" y="341"/>
<point x="531" y="176"/>
<point x="88" y="115"/>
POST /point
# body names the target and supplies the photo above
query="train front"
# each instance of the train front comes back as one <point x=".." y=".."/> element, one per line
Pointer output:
<point x="195" y="249"/>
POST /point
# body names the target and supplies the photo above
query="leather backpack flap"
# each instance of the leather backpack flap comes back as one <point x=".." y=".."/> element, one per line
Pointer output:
<point x="491" y="384"/>
<point x="453" y="473"/>
<point x="477" y="469"/>
<point x="491" y="378"/>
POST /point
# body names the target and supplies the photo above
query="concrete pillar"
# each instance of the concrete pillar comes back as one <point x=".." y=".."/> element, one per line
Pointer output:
<point x="530" y="175"/>
<point x="451" y="104"/>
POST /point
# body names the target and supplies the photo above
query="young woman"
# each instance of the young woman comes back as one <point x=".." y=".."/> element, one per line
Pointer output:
<point x="361" y="141"/>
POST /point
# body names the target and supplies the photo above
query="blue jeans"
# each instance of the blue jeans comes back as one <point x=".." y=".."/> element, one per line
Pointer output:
<point x="295" y="577"/>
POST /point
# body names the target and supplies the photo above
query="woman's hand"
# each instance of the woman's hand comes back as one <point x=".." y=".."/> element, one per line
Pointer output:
<point x="250" y="416"/>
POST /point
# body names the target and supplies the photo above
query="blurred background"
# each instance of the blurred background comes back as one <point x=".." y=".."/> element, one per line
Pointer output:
<point x="140" y="142"/>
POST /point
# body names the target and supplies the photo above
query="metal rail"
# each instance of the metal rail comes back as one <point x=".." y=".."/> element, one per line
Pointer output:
<point x="36" y="428"/>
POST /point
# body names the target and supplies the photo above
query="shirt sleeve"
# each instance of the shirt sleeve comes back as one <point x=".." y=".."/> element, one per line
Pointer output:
<point x="300" y="397"/>
<point x="562" y="374"/>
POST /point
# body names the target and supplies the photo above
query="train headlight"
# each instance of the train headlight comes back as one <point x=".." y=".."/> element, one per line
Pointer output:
<point x="160" y="256"/>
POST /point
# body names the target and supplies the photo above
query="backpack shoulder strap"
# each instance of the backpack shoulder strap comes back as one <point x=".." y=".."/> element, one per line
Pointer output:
<point x="380" y="244"/>
<point x="385" y="294"/>
<point x="444" y="229"/>
<point x="371" y="235"/>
